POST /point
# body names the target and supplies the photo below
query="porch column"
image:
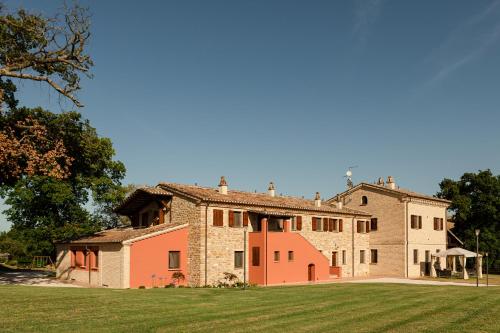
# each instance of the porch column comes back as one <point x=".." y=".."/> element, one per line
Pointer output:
<point x="453" y="264"/>
<point x="264" y="229"/>
<point x="464" y="263"/>
<point x="480" y="266"/>
<point x="286" y="225"/>
<point x="433" y="269"/>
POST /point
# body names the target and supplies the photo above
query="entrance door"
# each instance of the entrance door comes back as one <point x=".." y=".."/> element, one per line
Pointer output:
<point x="334" y="259"/>
<point x="427" y="262"/>
<point x="311" y="276"/>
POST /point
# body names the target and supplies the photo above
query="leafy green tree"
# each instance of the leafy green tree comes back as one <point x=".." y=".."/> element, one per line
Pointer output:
<point x="476" y="205"/>
<point x="43" y="208"/>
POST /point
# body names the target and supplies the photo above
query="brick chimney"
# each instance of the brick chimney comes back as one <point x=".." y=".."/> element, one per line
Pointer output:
<point x="380" y="181"/>
<point x="222" y="185"/>
<point x="317" y="200"/>
<point x="390" y="183"/>
<point x="271" y="190"/>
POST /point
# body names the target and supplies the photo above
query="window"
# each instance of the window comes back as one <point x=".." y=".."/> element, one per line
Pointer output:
<point x="374" y="224"/>
<point x="341" y="225"/>
<point x="238" y="259"/>
<point x="290" y="255"/>
<point x="325" y="224"/>
<point x="332" y="225"/>
<point x="343" y="257"/>
<point x="174" y="261"/>
<point x="364" y="200"/>
<point x="276" y="255"/>
<point x="293" y="223"/>
<point x="438" y="223"/>
<point x="256" y="256"/>
<point x="218" y="217"/>
<point x="363" y="226"/>
<point x="374" y="256"/>
<point x="235" y="219"/>
<point x="416" y="222"/>
<point x="415" y="257"/>
<point x="362" y="256"/>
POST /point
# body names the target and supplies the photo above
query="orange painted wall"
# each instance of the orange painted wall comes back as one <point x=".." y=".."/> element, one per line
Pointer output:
<point x="286" y="271"/>
<point x="150" y="256"/>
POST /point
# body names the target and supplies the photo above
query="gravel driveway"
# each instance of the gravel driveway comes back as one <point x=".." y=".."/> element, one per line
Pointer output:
<point x="32" y="278"/>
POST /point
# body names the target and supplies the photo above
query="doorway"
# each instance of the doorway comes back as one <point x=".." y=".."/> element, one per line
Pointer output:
<point x="311" y="275"/>
<point x="334" y="259"/>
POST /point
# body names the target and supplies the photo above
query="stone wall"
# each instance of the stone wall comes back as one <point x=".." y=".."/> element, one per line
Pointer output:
<point x="110" y="273"/>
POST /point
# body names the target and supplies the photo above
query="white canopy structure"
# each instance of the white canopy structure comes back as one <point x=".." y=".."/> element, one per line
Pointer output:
<point x="462" y="255"/>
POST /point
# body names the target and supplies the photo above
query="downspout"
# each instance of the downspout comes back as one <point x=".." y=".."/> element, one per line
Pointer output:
<point x="206" y="243"/>
<point x="352" y="256"/>
<point x="265" y="252"/>
<point x="406" y="237"/>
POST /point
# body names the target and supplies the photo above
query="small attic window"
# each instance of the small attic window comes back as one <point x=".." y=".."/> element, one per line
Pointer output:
<point x="364" y="200"/>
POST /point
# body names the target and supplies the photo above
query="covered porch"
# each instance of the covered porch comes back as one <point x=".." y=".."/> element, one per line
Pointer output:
<point x="446" y="262"/>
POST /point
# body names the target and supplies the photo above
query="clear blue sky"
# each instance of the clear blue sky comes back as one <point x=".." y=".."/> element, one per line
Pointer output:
<point x="292" y="91"/>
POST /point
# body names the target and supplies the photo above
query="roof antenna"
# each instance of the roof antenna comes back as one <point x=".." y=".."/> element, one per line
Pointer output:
<point x="348" y="175"/>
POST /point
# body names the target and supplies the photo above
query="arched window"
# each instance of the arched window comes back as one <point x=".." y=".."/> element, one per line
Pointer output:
<point x="364" y="200"/>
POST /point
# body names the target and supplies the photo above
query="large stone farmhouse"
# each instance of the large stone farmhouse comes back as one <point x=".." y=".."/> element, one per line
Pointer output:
<point x="262" y="238"/>
<point x="405" y="227"/>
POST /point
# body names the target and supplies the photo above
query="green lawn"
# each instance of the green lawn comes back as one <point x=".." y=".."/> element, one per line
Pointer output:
<point x="319" y="308"/>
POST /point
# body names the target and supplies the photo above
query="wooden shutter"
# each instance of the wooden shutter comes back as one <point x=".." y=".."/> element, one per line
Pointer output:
<point x="231" y="218"/>
<point x="367" y="226"/>
<point x="218" y="215"/>
<point x="341" y="225"/>
<point x="299" y="223"/>
<point x="373" y="223"/>
<point x="325" y="224"/>
<point x="313" y="223"/>
<point x="441" y="222"/>
<point x="330" y="224"/>
<point x="414" y="222"/>
<point x="358" y="229"/>
<point x="245" y="219"/>
<point x="420" y="222"/>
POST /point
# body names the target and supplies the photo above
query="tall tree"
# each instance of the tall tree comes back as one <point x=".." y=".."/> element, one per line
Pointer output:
<point x="45" y="49"/>
<point x="476" y="205"/>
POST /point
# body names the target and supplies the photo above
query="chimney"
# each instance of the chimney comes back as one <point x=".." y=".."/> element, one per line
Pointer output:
<point x="340" y="204"/>
<point x="317" y="200"/>
<point x="271" y="190"/>
<point x="380" y="181"/>
<point x="390" y="183"/>
<point x="222" y="185"/>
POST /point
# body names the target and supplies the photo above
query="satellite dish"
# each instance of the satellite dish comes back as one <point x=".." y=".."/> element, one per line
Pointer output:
<point x="348" y="173"/>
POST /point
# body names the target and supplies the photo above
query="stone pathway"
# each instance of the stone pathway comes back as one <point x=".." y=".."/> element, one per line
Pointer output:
<point x="32" y="278"/>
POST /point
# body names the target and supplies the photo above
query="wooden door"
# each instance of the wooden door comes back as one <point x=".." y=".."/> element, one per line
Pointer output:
<point x="311" y="276"/>
<point x="334" y="259"/>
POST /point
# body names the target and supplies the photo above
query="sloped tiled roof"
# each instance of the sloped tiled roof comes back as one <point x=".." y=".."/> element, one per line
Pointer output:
<point x="119" y="235"/>
<point x="208" y="194"/>
<point x="138" y="198"/>
<point x="397" y="191"/>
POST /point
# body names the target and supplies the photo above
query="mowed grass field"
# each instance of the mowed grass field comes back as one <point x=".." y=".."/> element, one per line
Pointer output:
<point x="316" y="308"/>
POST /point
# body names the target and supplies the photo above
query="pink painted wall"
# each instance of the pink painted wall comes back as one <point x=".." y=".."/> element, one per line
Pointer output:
<point x="285" y="271"/>
<point x="150" y="256"/>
